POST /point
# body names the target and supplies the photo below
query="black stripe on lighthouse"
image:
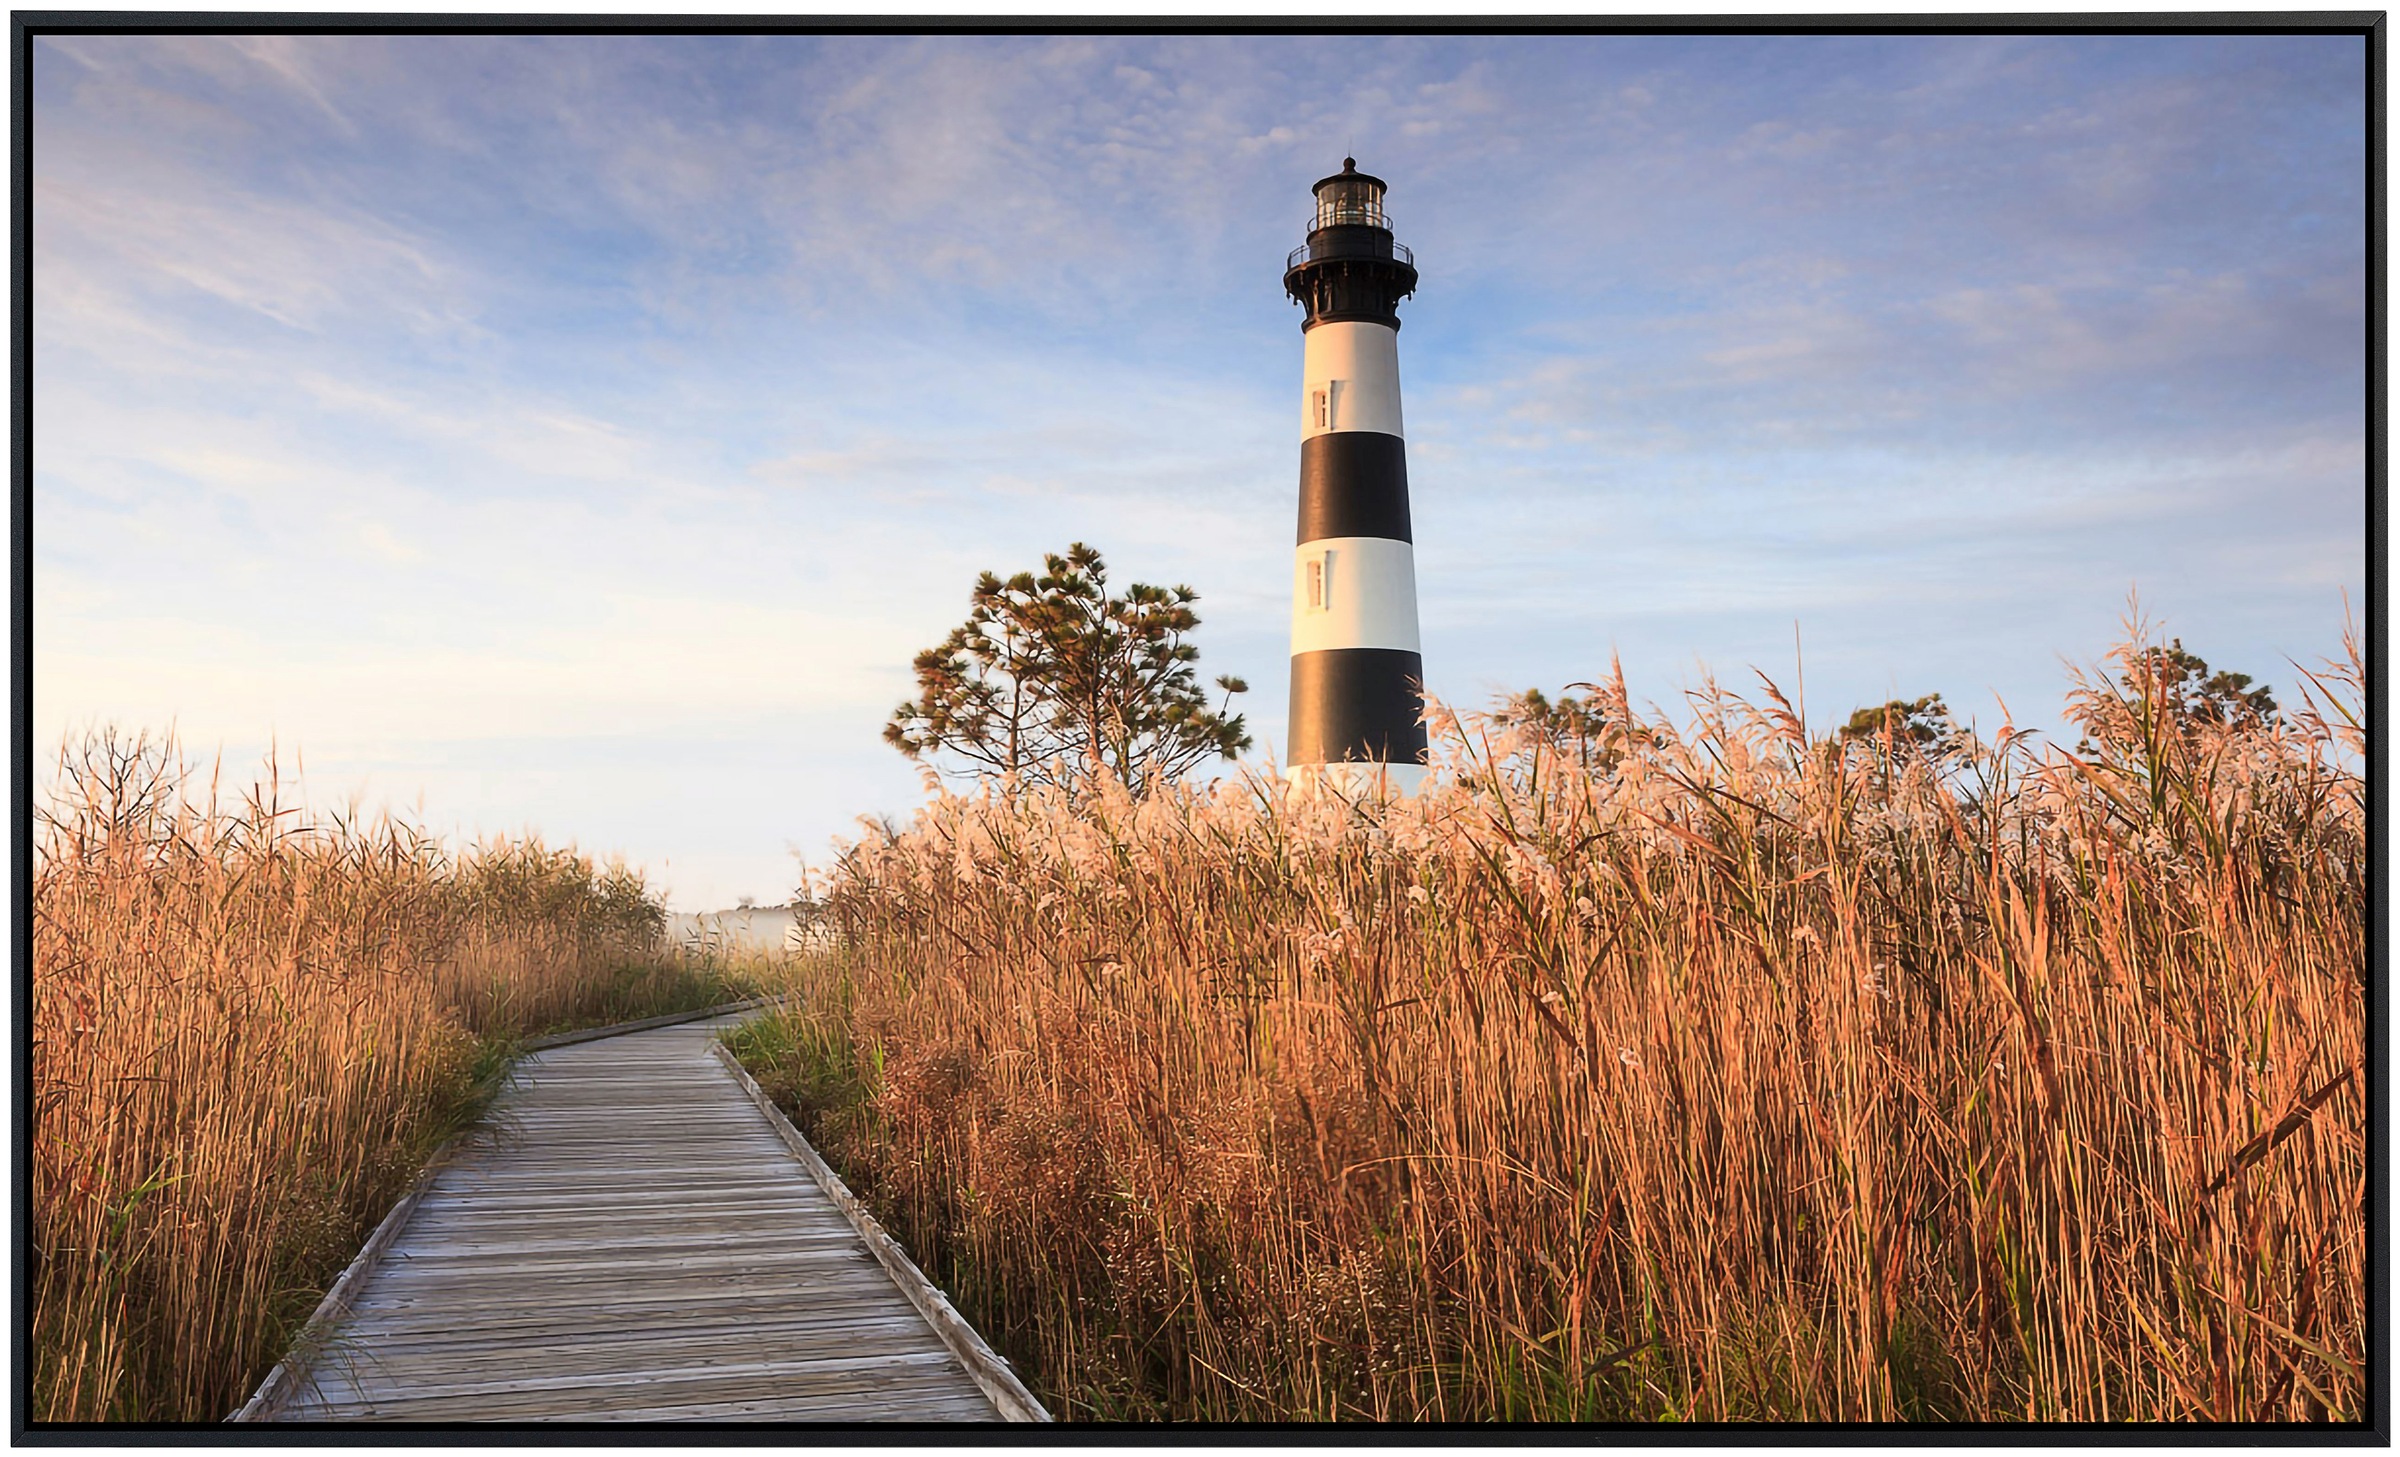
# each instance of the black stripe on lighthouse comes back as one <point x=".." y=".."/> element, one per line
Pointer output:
<point x="1353" y="483"/>
<point x="1351" y="704"/>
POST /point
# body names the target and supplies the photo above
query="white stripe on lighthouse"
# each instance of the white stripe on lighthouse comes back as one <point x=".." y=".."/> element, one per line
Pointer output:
<point x="1351" y="379"/>
<point x="1354" y="592"/>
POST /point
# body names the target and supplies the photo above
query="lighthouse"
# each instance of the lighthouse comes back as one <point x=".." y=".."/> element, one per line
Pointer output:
<point x="1358" y="671"/>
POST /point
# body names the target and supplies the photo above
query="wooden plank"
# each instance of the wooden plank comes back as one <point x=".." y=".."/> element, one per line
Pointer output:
<point x="497" y="1401"/>
<point x="606" y="1312"/>
<point x="888" y="1407"/>
<point x="724" y="1246"/>
<point x="838" y="1309"/>
<point x="630" y="1285"/>
<point x="439" y="1372"/>
<point x="558" y="1333"/>
<point x="935" y="1373"/>
<point x="454" y="1373"/>
<point x="476" y="1229"/>
<point x="536" y="1338"/>
<point x="563" y="1350"/>
<point x="498" y="1208"/>
<point x="434" y="1274"/>
<point x="562" y="1342"/>
<point x="893" y="1408"/>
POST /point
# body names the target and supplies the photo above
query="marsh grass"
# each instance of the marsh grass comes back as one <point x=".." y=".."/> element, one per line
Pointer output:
<point x="1726" y="1073"/>
<point x="251" y="1026"/>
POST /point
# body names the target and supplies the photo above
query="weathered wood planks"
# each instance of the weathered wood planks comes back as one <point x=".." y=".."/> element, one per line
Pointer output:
<point x="633" y="1237"/>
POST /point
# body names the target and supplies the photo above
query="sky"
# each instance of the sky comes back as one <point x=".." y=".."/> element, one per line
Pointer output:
<point x="581" y="435"/>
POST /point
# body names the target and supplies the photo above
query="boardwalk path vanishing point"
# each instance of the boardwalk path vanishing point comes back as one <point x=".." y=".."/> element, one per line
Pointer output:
<point x="630" y="1237"/>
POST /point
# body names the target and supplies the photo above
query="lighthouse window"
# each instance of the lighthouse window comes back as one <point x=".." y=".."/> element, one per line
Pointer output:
<point x="1351" y="202"/>
<point x="1321" y="402"/>
<point x="1320" y="582"/>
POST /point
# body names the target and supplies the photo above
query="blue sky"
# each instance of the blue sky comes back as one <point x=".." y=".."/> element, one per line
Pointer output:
<point x="582" y="434"/>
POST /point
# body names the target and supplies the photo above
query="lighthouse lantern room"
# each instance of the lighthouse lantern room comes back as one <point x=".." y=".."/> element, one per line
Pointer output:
<point x="1357" y="668"/>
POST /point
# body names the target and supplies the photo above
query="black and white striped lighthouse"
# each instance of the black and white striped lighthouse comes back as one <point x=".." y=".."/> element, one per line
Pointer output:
<point x="1358" y="672"/>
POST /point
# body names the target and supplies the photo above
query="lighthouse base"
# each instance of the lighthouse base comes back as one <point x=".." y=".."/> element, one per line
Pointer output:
<point x="1357" y="780"/>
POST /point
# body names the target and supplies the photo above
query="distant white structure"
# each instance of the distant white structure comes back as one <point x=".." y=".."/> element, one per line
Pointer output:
<point x="748" y="930"/>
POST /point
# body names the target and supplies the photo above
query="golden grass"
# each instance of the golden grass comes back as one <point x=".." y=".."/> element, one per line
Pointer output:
<point x="250" y="1028"/>
<point x="1748" y="1075"/>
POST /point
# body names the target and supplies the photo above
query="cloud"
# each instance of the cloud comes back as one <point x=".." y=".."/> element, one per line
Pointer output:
<point x="378" y="538"/>
<point x="302" y="266"/>
<point x="287" y="58"/>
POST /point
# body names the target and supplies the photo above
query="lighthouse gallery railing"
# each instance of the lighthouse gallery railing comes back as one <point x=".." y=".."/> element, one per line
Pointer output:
<point x="1302" y="254"/>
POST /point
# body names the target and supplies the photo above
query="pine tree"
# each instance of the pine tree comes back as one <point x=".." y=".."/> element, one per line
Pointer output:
<point x="1052" y="677"/>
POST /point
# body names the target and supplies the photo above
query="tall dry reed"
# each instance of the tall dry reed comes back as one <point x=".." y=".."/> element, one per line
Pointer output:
<point x="250" y="1027"/>
<point x="1744" y="1074"/>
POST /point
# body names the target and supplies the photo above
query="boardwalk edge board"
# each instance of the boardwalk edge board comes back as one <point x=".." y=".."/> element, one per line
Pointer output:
<point x="619" y="1029"/>
<point x="293" y="1368"/>
<point x="285" y="1378"/>
<point x="989" y="1369"/>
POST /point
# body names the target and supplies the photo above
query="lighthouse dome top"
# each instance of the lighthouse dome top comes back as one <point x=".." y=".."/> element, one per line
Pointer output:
<point x="1350" y="198"/>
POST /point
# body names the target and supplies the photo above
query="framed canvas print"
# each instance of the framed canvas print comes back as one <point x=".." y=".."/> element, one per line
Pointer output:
<point x="1622" y="725"/>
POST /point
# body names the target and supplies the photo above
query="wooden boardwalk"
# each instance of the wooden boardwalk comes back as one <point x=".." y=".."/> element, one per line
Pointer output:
<point x="631" y="1238"/>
